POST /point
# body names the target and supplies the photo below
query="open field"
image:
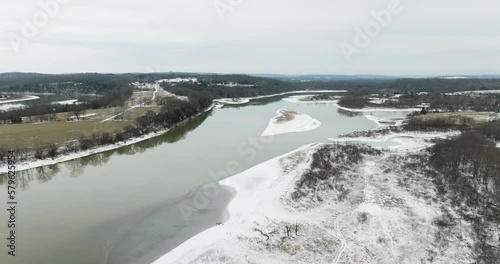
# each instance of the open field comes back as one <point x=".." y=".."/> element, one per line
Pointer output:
<point x="30" y="135"/>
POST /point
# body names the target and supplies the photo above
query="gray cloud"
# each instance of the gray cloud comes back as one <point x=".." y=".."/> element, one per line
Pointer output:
<point x="254" y="36"/>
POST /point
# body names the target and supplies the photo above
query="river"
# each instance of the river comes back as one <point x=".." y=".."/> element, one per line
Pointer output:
<point x="122" y="206"/>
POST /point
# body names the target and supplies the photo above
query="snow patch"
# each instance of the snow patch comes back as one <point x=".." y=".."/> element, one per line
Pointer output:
<point x="245" y="100"/>
<point x="73" y="101"/>
<point x="179" y="80"/>
<point x="27" y="98"/>
<point x="7" y="107"/>
<point x="300" y="99"/>
<point x="377" y="109"/>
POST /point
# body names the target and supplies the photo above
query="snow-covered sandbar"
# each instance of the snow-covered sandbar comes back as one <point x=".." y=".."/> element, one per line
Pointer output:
<point x="377" y="109"/>
<point x="290" y="122"/>
<point x="362" y="215"/>
<point x="245" y="100"/>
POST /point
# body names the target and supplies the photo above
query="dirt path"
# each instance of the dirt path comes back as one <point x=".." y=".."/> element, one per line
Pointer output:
<point x="157" y="89"/>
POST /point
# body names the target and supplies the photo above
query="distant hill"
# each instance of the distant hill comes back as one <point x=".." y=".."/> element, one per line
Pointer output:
<point x="325" y="77"/>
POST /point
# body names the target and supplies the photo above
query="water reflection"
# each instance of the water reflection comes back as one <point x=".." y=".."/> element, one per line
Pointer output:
<point x="76" y="167"/>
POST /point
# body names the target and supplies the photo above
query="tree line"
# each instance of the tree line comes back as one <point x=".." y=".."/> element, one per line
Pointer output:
<point x="48" y="112"/>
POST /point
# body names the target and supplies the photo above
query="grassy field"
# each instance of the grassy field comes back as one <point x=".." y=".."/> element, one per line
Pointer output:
<point x="30" y="135"/>
<point x="102" y="114"/>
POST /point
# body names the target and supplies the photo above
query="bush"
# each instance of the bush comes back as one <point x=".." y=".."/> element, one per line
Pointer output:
<point x="52" y="151"/>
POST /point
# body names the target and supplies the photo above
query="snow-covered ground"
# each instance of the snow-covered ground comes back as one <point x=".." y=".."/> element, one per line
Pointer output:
<point x="303" y="100"/>
<point x="377" y="109"/>
<point x="144" y="86"/>
<point x="233" y="101"/>
<point x="475" y="92"/>
<point x="233" y="84"/>
<point x="179" y="80"/>
<point x="5" y="107"/>
<point x="377" y="211"/>
<point x="290" y="122"/>
<point x="453" y="77"/>
<point x="73" y="101"/>
<point x="406" y="140"/>
<point x="27" y="98"/>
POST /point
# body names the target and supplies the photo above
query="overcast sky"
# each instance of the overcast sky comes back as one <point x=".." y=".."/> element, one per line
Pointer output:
<point x="424" y="37"/>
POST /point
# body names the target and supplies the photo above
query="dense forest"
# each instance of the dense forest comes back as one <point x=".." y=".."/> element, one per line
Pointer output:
<point x="84" y="83"/>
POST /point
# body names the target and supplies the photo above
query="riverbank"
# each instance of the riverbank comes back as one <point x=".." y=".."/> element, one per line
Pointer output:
<point x="378" y="109"/>
<point x="372" y="218"/>
<point x="245" y="100"/>
<point x="80" y="154"/>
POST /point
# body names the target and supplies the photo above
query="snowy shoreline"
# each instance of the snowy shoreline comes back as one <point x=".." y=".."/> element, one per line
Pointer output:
<point x="245" y="100"/>
<point x="298" y="123"/>
<point x="81" y="154"/>
<point x="28" y="98"/>
<point x="376" y="109"/>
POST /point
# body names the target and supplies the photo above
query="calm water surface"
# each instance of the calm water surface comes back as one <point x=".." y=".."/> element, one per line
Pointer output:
<point x="123" y="206"/>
